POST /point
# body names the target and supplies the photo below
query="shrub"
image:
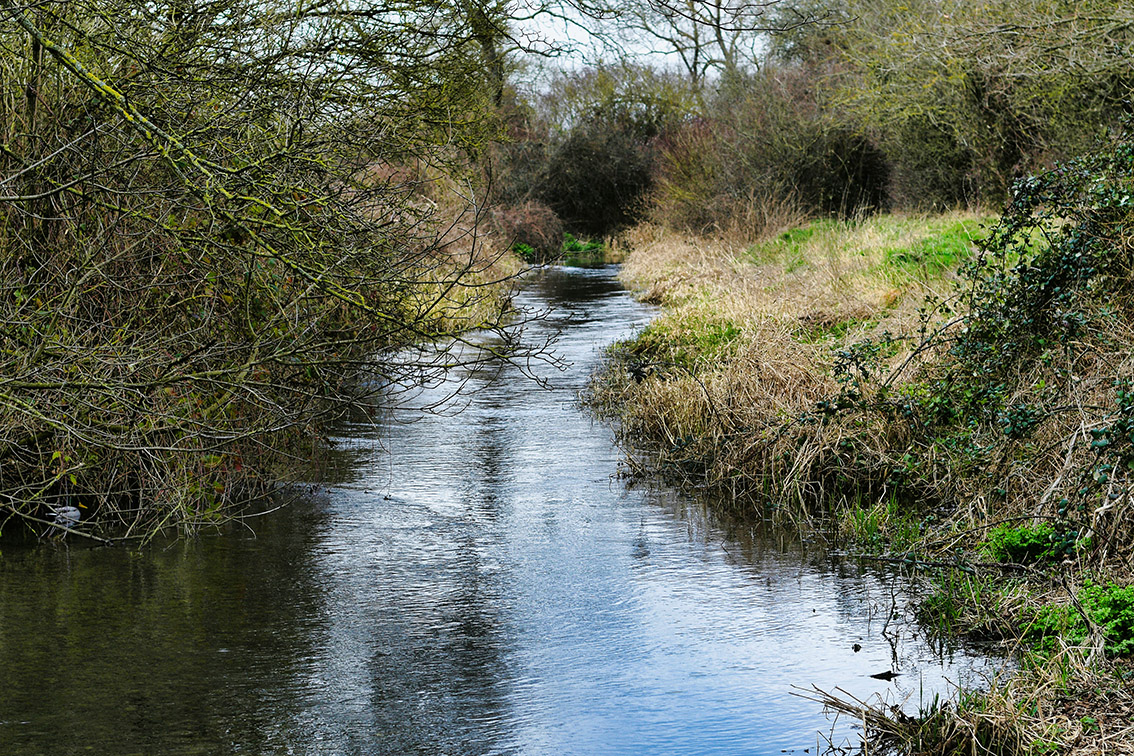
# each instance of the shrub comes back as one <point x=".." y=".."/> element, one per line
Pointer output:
<point x="929" y="168"/>
<point x="597" y="175"/>
<point x="531" y="225"/>
<point x="841" y="173"/>
<point x="601" y="155"/>
<point x="1110" y="607"/>
<point x="765" y="136"/>
<point x="1023" y="544"/>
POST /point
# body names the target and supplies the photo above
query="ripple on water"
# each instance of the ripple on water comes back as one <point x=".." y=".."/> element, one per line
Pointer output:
<point x="473" y="583"/>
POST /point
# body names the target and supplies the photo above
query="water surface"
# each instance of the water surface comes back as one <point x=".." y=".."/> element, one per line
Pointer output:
<point x="464" y="583"/>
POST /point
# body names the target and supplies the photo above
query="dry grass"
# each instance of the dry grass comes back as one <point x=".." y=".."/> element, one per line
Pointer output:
<point x="1058" y="705"/>
<point x="725" y="391"/>
<point x="745" y="349"/>
<point x="746" y="346"/>
<point x="824" y="272"/>
<point x="1065" y="699"/>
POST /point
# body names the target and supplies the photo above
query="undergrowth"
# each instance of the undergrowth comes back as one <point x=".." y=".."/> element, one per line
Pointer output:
<point x="961" y="402"/>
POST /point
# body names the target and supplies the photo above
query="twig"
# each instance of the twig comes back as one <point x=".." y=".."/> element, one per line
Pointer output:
<point x="965" y="566"/>
<point x="33" y="518"/>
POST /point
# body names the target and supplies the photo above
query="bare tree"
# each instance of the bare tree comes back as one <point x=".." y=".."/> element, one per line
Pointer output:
<point x="220" y="222"/>
<point x="708" y="37"/>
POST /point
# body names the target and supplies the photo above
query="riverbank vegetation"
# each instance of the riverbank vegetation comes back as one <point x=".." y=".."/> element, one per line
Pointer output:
<point x="894" y="265"/>
<point x="818" y="381"/>
<point x="950" y="393"/>
<point x="220" y="224"/>
<point x="892" y="242"/>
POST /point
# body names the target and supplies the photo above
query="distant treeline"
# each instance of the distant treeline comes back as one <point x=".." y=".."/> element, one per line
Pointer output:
<point x="851" y="106"/>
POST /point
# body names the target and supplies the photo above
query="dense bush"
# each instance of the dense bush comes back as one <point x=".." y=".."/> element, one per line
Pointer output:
<point x="1035" y="360"/>
<point x="533" y="225"/>
<point x="868" y="106"/>
<point x="979" y="93"/>
<point x="763" y="138"/>
<point x="1023" y="544"/>
<point x="930" y="170"/>
<point x="598" y="174"/>
<point x="207" y="252"/>
<point x="586" y="146"/>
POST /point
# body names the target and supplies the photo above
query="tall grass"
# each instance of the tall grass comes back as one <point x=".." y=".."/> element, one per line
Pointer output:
<point x="741" y="359"/>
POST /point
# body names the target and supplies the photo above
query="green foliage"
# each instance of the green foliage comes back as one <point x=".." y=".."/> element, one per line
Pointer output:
<point x="1052" y="272"/>
<point x="1110" y="607"/>
<point x="1050" y="279"/>
<point x="573" y="246"/>
<point x="886" y="525"/>
<point x="963" y="602"/>
<point x="945" y="605"/>
<point x="582" y="253"/>
<point x="940" y="610"/>
<point x="525" y="251"/>
<point x="1023" y="544"/>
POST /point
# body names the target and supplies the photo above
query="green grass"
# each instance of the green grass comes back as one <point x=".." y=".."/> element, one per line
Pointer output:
<point x="946" y="246"/>
<point x="961" y="602"/>
<point x="790" y="247"/>
<point x="583" y="253"/>
<point x="901" y="244"/>
<point x="697" y="338"/>
<point x="887" y="525"/>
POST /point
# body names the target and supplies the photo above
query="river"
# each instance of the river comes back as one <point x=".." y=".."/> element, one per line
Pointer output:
<point x="461" y="583"/>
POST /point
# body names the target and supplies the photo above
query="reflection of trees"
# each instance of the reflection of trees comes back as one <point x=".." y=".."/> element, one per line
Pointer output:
<point x="184" y="649"/>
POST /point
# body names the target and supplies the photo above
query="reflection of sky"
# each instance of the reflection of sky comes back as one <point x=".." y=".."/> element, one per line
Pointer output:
<point x="494" y="590"/>
<point x="486" y="587"/>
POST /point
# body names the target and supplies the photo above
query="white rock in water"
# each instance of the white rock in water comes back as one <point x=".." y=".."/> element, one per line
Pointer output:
<point x="66" y="516"/>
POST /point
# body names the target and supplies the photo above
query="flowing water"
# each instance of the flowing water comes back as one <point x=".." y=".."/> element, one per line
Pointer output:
<point x="461" y="584"/>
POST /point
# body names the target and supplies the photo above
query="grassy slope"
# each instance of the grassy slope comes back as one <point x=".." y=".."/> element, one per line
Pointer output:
<point x="747" y="339"/>
<point x="735" y="389"/>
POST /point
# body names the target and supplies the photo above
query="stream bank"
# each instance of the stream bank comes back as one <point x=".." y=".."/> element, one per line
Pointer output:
<point x="480" y="581"/>
<point x="815" y="379"/>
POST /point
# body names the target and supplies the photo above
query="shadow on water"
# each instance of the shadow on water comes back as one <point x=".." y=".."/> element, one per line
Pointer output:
<point x="473" y="583"/>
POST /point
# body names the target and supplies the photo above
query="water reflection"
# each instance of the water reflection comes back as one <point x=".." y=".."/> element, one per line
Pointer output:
<point x="466" y="584"/>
